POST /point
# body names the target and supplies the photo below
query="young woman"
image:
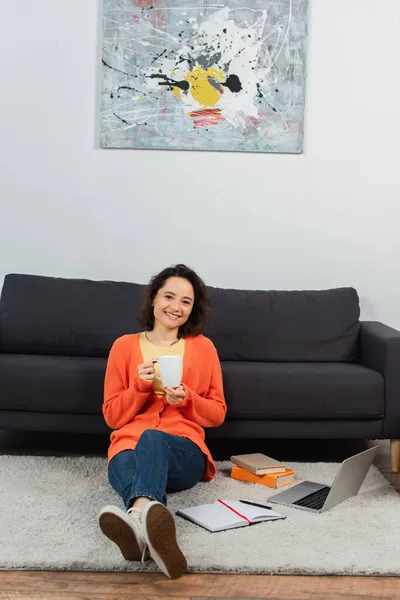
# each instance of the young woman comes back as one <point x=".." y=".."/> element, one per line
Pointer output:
<point x="157" y="444"/>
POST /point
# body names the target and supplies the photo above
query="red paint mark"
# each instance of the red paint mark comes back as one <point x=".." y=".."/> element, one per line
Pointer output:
<point x="206" y="117"/>
<point x="163" y="109"/>
<point x="145" y="3"/>
<point x="221" y="91"/>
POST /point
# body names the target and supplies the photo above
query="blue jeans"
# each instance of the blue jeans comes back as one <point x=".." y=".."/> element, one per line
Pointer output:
<point x="160" y="463"/>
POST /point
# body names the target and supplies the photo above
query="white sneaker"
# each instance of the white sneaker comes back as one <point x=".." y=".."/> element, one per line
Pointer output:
<point x="125" y="530"/>
<point x="158" y="529"/>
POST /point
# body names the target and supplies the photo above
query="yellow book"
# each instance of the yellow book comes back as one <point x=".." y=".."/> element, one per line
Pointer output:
<point x="272" y="480"/>
<point x="257" y="463"/>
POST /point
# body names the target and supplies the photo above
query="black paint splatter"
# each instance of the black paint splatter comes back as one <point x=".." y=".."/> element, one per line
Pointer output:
<point x="171" y="83"/>
<point x="159" y="56"/>
<point x="127" y="87"/>
<point x="114" y="69"/>
<point x="121" y="119"/>
<point x="183" y="59"/>
<point x="233" y="83"/>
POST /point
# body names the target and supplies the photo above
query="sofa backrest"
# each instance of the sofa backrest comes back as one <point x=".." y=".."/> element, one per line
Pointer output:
<point x="285" y="326"/>
<point x="78" y="317"/>
<point x="66" y="317"/>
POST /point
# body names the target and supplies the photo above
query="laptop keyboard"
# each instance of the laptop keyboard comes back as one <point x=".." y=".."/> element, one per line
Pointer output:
<point x="315" y="500"/>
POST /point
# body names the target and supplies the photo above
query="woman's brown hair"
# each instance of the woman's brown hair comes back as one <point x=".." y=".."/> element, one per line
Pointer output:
<point x="199" y="316"/>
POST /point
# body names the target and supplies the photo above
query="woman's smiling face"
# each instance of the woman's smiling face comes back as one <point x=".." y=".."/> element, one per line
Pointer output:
<point x="173" y="303"/>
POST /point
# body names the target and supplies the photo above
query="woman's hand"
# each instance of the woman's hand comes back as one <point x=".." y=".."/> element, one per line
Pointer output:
<point x="175" y="395"/>
<point x="146" y="371"/>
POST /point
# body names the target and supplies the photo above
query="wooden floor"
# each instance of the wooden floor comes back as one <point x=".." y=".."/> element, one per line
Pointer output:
<point x="26" y="585"/>
<point x="146" y="586"/>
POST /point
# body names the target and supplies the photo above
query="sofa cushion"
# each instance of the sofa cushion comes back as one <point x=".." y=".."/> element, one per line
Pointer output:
<point x="70" y="317"/>
<point x="52" y="384"/>
<point x="78" y="317"/>
<point x="297" y="326"/>
<point x="307" y="391"/>
<point x="254" y="391"/>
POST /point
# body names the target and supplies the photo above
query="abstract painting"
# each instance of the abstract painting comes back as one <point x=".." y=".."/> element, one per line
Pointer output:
<point x="204" y="75"/>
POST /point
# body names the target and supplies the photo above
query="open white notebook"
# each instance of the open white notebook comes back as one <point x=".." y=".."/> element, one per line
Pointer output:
<point x="227" y="514"/>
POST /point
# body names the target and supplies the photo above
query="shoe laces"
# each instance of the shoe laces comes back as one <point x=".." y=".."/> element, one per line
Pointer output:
<point x="136" y="514"/>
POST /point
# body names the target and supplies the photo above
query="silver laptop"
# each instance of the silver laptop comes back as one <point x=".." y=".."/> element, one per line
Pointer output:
<point x="319" y="498"/>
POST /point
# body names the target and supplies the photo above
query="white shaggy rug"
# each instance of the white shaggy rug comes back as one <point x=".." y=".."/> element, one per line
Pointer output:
<point x="49" y="508"/>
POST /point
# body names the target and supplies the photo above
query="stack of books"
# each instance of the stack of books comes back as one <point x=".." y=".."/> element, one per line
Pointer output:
<point x="259" y="468"/>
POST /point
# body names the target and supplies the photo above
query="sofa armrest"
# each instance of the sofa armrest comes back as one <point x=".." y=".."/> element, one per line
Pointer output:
<point x="380" y="351"/>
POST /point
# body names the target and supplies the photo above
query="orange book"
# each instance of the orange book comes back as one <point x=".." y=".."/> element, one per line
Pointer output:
<point x="272" y="480"/>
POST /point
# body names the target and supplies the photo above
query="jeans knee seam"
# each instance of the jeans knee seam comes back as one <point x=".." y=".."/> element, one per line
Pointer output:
<point x="115" y="473"/>
<point x="166" y="452"/>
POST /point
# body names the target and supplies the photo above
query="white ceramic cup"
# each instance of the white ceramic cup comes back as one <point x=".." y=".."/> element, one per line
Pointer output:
<point x="171" y="368"/>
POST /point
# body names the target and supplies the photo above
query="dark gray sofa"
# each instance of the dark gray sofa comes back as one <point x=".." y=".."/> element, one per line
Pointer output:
<point x="296" y="364"/>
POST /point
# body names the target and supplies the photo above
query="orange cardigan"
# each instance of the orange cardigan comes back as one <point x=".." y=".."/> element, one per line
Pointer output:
<point x="131" y="406"/>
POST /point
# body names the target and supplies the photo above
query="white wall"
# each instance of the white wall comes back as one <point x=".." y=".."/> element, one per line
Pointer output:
<point x="327" y="218"/>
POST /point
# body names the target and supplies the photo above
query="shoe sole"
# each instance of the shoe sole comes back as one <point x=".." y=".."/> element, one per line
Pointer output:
<point x="119" y="532"/>
<point x="164" y="549"/>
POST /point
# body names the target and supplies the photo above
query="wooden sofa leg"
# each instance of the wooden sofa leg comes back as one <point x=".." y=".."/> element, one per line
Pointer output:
<point x="395" y="455"/>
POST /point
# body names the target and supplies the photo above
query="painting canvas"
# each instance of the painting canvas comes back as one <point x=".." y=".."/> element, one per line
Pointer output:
<point x="204" y="75"/>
